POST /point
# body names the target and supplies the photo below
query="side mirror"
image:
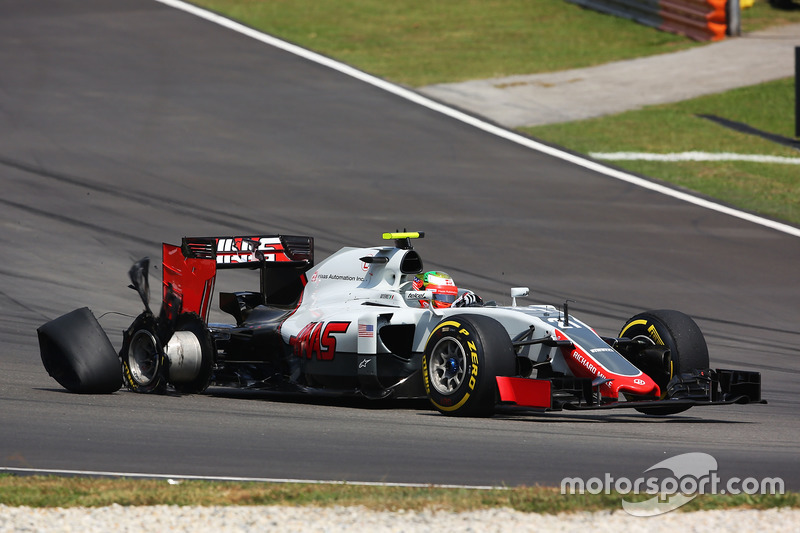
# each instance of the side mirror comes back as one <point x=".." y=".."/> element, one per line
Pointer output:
<point x="518" y="292"/>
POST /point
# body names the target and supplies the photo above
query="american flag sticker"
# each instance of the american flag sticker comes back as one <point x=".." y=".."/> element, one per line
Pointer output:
<point x="366" y="330"/>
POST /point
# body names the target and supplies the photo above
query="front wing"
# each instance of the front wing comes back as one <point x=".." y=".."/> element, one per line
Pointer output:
<point x="706" y="387"/>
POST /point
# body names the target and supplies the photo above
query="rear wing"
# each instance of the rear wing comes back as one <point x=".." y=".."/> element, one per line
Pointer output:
<point x="252" y="251"/>
<point x="190" y="270"/>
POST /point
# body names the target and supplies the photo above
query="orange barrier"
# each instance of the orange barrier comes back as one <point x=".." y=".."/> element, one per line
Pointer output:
<point x="701" y="20"/>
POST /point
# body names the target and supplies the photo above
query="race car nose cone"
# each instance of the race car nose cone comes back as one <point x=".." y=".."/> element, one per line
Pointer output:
<point x="641" y="385"/>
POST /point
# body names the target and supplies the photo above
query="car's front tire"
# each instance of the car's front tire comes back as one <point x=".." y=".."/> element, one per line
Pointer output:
<point x="678" y="332"/>
<point x="463" y="355"/>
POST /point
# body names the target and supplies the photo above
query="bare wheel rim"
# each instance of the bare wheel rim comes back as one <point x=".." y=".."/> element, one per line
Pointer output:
<point x="448" y="366"/>
<point x="143" y="357"/>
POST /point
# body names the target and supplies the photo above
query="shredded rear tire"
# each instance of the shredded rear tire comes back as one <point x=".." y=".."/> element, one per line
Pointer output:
<point x="76" y="352"/>
<point x="144" y="365"/>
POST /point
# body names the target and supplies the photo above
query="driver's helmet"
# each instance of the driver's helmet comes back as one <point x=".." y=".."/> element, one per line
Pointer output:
<point x="440" y="284"/>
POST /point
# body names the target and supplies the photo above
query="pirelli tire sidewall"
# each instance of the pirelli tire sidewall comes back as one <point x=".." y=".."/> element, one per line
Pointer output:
<point x="675" y="330"/>
<point x="678" y="332"/>
<point x="158" y="384"/>
<point x="487" y="353"/>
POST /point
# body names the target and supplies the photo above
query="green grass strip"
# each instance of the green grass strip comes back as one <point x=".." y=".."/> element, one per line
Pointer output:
<point x="52" y="491"/>
<point x="418" y="42"/>
<point x="769" y="189"/>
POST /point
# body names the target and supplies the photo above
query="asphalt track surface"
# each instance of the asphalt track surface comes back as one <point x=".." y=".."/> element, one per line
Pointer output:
<point x="124" y="124"/>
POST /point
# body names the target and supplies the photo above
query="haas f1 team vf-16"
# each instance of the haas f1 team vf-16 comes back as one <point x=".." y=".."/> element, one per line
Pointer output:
<point x="361" y="322"/>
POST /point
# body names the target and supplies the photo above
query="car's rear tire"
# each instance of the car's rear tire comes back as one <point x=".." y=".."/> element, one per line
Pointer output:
<point x="144" y="363"/>
<point x="678" y="332"/>
<point x="76" y="352"/>
<point x="463" y="355"/>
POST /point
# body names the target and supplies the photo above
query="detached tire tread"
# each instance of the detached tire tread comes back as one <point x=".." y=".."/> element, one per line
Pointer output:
<point x="76" y="352"/>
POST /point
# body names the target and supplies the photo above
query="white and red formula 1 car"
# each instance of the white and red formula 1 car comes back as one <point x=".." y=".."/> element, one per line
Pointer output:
<point x="354" y="324"/>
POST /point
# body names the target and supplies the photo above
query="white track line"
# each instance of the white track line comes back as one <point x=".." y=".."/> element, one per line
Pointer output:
<point x="471" y="120"/>
<point x="693" y="156"/>
<point x="177" y="477"/>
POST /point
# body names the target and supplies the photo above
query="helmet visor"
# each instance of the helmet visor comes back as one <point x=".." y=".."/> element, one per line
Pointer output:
<point x="444" y="298"/>
<point x="443" y="295"/>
